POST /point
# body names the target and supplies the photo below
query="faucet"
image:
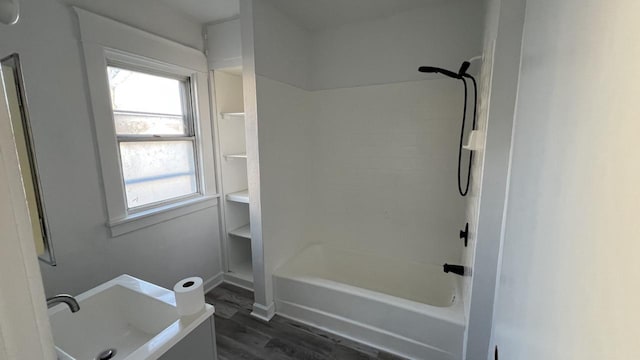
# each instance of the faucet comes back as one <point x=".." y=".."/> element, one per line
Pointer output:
<point x="64" y="298"/>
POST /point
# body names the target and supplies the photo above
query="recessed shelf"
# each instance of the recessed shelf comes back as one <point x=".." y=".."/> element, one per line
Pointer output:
<point x="231" y="137"/>
<point x="240" y="196"/>
<point x="232" y="115"/>
<point x="243" y="232"/>
<point x="235" y="156"/>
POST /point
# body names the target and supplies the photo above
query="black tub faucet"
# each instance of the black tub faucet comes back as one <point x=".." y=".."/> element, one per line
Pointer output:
<point x="456" y="269"/>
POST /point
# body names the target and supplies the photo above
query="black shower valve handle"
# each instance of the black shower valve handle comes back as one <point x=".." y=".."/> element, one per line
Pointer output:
<point x="464" y="234"/>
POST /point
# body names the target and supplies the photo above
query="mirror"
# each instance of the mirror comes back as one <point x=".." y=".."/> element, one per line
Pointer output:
<point x="11" y="77"/>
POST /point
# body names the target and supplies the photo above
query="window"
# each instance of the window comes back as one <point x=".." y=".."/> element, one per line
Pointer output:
<point x="150" y="102"/>
<point x="154" y="125"/>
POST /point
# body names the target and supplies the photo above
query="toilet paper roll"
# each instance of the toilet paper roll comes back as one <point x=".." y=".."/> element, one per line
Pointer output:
<point x="189" y="296"/>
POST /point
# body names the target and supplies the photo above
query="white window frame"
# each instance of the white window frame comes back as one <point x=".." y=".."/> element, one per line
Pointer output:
<point x="106" y="42"/>
<point x="124" y="62"/>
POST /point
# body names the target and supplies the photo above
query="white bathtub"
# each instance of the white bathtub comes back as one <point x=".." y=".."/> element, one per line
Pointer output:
<point x="407" y="308"/>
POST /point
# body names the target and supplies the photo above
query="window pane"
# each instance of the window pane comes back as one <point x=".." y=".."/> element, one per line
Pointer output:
<point x="136" y="91"/>
<point x="157" y="170"/>
<point x="140" y="124"/>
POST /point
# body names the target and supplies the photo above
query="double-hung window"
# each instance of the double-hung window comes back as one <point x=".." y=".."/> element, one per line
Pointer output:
<point x="155" y="130"/>
<point x="150" y="102"/>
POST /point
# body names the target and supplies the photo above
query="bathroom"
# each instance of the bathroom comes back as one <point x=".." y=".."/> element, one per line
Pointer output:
<point x="336" y="201"/>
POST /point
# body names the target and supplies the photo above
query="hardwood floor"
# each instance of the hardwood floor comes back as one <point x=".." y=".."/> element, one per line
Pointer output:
<point x="241" y="336"/>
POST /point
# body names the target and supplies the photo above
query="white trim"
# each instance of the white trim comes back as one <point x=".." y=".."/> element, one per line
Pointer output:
<point x="262" y="287"/>
<point x="105" y="40"/>
<point x="232" y="279"/>
<point x="369" y="335"/>
<point x="25" y="332"/>
<point x="213" y="282"/>
<point x="109" y="33"/>
<point x="136" y="60"/>
<point x="227" y="63"/>
<point x="506" y="62"/>
<point x="157" y="215"/>
<point x="262" y="312"/>
<point x="220" y="21"/>
<point x="224" y="255"/>
<point x="503" y="222"/>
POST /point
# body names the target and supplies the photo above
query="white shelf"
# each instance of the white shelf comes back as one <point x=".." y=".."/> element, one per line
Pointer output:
<point x="235" y="156"/>
<point x="231" y="115"/>
<point x="243" y="232"/>
<point x="240" y="196"/>
<point x="242" y="270"/>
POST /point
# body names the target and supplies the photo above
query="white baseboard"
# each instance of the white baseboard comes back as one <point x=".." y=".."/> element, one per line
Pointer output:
<point x="262" y="312"/>
<point x="211" y="283"/>
<point x="238" y="281"/>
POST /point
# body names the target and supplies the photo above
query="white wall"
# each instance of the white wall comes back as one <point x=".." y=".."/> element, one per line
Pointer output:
<point x="284" y="169"/>
<point x="485" y="203"/>
<point x="280" y="54"/>
<point x="358" y="149"/>
<point x="224" y="44"/>
<point x="282" y="47"/>
<point x="568" y="286"/>
<point x="390" y="49"/>
<point x="152" y="16"/>
<point x="384" y="137"/>
<point x="47" y="40"/>
<point x="383" y="176"/>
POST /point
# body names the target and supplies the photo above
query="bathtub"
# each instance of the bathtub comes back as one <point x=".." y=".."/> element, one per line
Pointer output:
<point x="407" y="308"/>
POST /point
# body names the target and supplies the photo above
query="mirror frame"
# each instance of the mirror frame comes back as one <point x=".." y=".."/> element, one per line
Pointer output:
<point x="13" y="61"/>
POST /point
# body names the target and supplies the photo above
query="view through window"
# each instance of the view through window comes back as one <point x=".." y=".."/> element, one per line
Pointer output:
<point x="156" y="139"/>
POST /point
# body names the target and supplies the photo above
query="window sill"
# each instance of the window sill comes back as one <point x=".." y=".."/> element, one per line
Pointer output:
<point x="154" y="216"/>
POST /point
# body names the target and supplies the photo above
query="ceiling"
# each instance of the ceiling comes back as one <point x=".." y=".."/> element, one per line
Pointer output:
<point x="206" y="11"/>
<point x="311" y="14"/>
<point x="318" y="14"/>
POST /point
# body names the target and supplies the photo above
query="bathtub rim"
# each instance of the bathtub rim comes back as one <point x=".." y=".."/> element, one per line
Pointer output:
<point x="453" y="313"/>
<point x="409" y="348"/>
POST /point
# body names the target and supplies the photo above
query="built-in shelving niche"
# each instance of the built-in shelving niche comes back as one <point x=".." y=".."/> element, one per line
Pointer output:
<point x="233" y="175"/>
<point x="241" y="196"/>
<point x="242" y="232"/>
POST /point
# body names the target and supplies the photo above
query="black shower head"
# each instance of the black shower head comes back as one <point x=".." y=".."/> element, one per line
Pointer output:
<point x="462" y="72"/>
<point x="437" y="70"/>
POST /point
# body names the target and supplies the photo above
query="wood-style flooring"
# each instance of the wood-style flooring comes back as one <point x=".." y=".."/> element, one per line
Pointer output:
<point x="240" y="336"/>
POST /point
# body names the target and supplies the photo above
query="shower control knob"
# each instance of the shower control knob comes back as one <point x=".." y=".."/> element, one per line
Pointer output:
<point x="464" y="234"/>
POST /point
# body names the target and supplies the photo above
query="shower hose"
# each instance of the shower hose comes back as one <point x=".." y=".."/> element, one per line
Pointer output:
<point x="473" y="127"/>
